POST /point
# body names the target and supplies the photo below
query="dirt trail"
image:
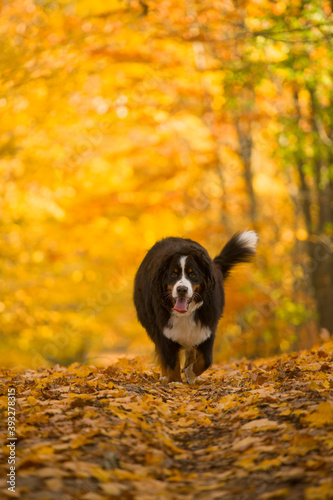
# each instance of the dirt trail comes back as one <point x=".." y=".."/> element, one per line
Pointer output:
<point x="260" y="430"/>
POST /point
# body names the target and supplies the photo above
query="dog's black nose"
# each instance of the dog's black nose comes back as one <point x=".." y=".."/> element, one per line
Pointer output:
<point x="182" y="290"/>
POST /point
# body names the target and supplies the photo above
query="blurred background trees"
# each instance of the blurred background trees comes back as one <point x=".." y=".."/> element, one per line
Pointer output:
<point x="127" y="121"/>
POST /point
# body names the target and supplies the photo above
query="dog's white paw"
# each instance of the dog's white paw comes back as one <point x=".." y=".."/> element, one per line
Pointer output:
<point x="190" y="375"/>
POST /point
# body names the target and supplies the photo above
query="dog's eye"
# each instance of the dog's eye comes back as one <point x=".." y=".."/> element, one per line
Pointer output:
<point x="192" y="274"/>
<point x="174" y="274"/>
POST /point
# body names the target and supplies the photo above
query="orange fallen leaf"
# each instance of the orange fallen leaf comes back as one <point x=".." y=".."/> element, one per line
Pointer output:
<point x="323" y="492"/>
<point x="322" y="416"/>
<point x="271" y="495"/>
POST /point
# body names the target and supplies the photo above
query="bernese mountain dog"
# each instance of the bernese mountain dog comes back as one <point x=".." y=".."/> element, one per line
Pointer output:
<point x="179" y="298"/>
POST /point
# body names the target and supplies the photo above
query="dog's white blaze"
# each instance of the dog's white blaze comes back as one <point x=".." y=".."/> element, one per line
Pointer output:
<point x="183" y="281"/>
<point x="182" y="262"/>
<point x="248" y="239"/>
<point x="183" y="329"/>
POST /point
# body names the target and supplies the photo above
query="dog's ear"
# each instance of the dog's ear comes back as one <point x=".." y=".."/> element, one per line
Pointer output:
<point x="159" y="274"/>
<point x="206" y="263"/>
<point x="159" y="296"/>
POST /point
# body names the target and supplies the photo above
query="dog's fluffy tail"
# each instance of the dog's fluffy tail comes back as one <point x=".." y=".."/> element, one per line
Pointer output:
<point x="241" y="248"/>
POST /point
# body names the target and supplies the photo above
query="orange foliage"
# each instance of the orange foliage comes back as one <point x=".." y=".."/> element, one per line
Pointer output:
<point x="116" y="131"/>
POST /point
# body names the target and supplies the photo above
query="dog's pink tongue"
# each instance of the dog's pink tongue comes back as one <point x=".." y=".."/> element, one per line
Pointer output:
<point x="181" y="305"/>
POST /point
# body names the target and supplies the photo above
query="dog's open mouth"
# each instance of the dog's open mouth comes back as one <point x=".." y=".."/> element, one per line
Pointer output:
<point x="181" y="304"/>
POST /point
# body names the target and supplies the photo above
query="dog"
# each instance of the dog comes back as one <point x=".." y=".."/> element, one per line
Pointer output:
<point x="179" y="299"/>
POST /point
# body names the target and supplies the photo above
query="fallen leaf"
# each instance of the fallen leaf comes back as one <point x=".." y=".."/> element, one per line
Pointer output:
<point x="92" y="496"/>
<point x="323" y="492"/>
<point x="288" y="474"/>
<point x="113" y="489"/>
<point x="269" y="464"/>
<point x="322" y="416"/>
<point x="261" y="424"/>
<point x="282" y="492"/>
<point x="245" y="444"/>
<point x="54" y="484"/>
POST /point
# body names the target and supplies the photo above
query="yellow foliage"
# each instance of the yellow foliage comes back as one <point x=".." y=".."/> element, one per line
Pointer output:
<point x="115" y="132"/>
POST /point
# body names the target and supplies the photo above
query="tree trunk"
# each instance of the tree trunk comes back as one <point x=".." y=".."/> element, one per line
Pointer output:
<point x="321" y="274"/>
<point x="246" y="146"/>
<point x="320" y="269"/>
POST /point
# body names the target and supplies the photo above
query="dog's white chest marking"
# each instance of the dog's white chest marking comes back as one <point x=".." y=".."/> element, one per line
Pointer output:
<point x="183" y="329"/>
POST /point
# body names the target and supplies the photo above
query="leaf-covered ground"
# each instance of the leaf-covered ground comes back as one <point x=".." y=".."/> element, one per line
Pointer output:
<point x="260" y="430"/>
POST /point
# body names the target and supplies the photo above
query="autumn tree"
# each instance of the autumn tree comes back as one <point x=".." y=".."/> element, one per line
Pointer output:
<point x="304" y="76"/>
<point x="124" y="122"/>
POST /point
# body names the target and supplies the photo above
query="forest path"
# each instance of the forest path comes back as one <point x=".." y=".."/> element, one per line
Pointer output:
<point x="248" y="430"/>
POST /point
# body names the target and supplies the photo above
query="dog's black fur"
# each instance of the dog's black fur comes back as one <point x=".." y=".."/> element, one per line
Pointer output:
<point x="179" y="302"/>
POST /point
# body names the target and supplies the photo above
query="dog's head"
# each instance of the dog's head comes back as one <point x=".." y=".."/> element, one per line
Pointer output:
<point x="185" y="281"/>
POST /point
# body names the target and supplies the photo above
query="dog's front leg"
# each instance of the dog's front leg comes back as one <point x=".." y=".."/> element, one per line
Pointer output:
<point x="201" y="360"/>
<point x="172" y="374"/>
<point x="168" y="354"/>
<point x="190" y="356"/>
